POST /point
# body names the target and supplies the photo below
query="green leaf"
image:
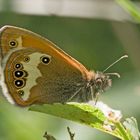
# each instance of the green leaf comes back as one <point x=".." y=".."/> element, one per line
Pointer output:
<point x="100" y="116"/>
<point x="131" y="8"/>
<point x="132" y="127"/>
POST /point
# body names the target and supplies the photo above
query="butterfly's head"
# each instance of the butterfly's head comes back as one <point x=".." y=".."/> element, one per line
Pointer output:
<point x="101" y="82"/>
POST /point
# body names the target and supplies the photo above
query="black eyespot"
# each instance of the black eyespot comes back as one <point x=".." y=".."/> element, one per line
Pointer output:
<point x="18" y="66"/>
<point x="45" y="59"/>
<point x="19" y="73"/>
<point x="26" y="59"/>
<point x="19" y="83"/>
<point x="13" y="43"/>
<point x="21" y="92"/>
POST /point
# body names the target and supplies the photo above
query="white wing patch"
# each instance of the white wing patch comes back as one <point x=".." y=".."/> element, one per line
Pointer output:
<point x="33" y="73"/>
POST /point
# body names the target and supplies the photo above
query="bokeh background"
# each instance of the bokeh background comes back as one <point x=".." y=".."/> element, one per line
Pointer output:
<point x="96" y="33"/>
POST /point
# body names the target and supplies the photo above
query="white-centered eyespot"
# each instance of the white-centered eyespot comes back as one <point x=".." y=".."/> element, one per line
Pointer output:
<point x="26" y="59"/>
<point x="18" y="66"/>
<point x="20" y="73"/>
<point x="21" y="92"/>
<point x="13" y="43"/>
<point x="19" y="83"/>
<point x="45" y="59"/>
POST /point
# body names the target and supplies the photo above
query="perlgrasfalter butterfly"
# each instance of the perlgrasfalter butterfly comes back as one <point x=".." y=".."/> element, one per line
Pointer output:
<point x="36" y="71"/>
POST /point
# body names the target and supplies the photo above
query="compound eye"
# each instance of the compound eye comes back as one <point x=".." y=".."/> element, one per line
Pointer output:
<point x="99" y="82"/>
<point x="45" y="59"/>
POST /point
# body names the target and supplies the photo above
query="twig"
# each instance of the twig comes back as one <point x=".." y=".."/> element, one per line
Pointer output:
<point x="48" y="136"/>
<point x="71" y="134"/>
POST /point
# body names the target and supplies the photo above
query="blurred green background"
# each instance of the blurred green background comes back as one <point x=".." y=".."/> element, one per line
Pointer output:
<point x="96" y="43"/>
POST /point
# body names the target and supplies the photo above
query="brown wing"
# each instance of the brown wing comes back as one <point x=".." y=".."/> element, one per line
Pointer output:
<point x="55" y="82"/>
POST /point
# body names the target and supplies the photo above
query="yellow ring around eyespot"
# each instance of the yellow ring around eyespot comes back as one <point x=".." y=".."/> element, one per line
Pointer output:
<point x="24" y="73"/>
<point x="47" y="57"/>
<point x="21" y="85"/>
<point x="13" y="43"/>
<point x="26" y="59"/>
<point x="19" y="67"/>
<point x="20" y="92"/>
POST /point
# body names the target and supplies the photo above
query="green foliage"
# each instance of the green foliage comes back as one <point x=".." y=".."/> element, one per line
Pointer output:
<point x="105" y="120"/>
<point x="94" y="43"/>
<point x="132" y="127"/>
<point x="131" y="8"/>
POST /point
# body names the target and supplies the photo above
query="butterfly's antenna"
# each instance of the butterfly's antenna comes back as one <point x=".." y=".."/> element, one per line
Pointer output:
<point x="125" y="56"/>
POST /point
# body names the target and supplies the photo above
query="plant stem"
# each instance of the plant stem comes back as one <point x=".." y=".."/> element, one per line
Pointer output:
<point x="124" y="134"/>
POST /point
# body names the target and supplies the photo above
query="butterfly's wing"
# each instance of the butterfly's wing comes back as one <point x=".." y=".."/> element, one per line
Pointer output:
<point x="35" y="70"/>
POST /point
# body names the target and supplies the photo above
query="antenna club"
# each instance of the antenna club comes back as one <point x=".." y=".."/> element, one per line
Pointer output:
<point x="115" y="74"/>
<point x="125" y="56"/>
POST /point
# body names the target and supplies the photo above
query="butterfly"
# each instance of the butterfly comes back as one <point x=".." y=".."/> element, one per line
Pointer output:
<point x="33" y="70"/>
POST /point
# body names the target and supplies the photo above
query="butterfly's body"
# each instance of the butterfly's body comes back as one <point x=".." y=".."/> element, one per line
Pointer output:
<point x="34" y="70"/>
